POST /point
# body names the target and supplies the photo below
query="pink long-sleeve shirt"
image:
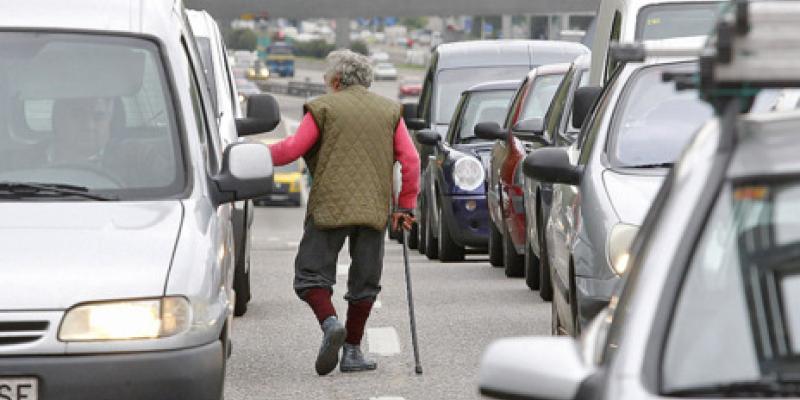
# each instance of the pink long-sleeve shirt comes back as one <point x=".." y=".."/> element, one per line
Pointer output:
<point x="294" y="147"/>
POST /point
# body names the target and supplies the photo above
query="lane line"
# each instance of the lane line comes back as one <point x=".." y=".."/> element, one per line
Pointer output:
<point x="342" y="269"/>
<point x="387" y="398"/>
<point x="377" y="304"/>
<point x="383" y="341"/>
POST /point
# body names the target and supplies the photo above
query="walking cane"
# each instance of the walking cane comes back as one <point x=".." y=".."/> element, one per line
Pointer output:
<point x="417" y="365"/>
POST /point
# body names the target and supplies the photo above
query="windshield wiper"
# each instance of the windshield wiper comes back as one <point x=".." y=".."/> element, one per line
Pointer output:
<point x="766" y="387"/>
<point x="656" y="165"/>
<point x="29" y="189"/>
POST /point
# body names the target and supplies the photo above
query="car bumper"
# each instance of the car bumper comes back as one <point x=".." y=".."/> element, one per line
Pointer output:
<point x="593" y="295"/>
<point x="194" y="373"/>
<point x="467" y="228"/>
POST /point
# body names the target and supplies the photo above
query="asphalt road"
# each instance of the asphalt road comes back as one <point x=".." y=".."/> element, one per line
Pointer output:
<point x="461" y="308"/>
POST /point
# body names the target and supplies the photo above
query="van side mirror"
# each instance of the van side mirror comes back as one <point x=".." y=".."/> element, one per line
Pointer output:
<point x="551" y="164"/>
<point x="246" y="172"/>
<point x="583" y="104"/>
<point x="263" y="115"/>
<point x="429" y="137"/>
<point x="489" y="131"/>
<point x="410" y="116"/>
<point x="533" y="368"/>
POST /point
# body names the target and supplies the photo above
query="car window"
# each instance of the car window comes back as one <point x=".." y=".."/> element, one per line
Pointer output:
<point x="206" y="58"/>
<point x="552" y="117"/>
<point x="616" y="32"/>
<point x="540" y="96"/>
<point x="490" y="106"/>
<point x="516" y="101"/>
<point x="665" y="21"/>
<point x="739" y="299"/>
<point x="451" y="82"/>
<point x="654" y="121"/>
<point x="96" y="112"/>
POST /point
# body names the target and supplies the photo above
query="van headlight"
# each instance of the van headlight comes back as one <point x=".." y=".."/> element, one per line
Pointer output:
<point x="619" y="245"/>
<point x="468" y="174"/>
<point x="126" y="320"/>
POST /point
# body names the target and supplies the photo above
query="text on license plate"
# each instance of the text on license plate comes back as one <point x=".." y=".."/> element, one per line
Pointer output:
<point x="19" y="388"/>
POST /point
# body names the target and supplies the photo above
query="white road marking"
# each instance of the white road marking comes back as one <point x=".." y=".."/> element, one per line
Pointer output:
<point x="342" y="269"/>
<point x="383" y="341"/>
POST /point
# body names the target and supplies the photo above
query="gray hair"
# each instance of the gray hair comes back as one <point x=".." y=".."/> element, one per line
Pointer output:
<point x="351" y="69"/>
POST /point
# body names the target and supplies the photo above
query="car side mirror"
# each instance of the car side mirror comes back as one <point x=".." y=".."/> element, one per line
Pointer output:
<point x="263" y="115"/>
<point x="409" y="111"/>
<point x="429" y="137"/>
<point x="416" y="124"/>
<point x="551" y="164"/>
<point x="489" y="131"/>
<point x="583" y="104"/>
<point x="246" y="172"/>
<point x="546" y="367"/>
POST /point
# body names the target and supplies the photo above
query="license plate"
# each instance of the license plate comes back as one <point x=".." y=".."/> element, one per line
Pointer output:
<point x="19" y="388"/>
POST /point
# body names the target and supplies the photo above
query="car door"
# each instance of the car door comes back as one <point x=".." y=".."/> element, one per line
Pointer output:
<point x="565" y="218"/>
<point x="494" y="194"/>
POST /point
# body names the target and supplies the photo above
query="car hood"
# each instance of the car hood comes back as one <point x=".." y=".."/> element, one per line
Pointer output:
<point x="631" y="194"/>
<point x="57" y="254"/>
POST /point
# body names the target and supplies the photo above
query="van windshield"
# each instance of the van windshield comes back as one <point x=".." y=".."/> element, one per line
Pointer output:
<point x="451" y="82"/>
<point x="665" y="21"/>
<point x="90" y="111"/>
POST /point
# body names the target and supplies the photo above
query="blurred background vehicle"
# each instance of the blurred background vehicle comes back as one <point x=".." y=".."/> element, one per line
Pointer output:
<point x="455" y="183"/>
<point x="409" y="88"/>
<point x="280" y="59"/>
<point x="521" y="131"/>
<point x="290" y="183"/>
<point x="257" y="71"/>
<point x="245" y="89"/>
<point x="385" y="72"/>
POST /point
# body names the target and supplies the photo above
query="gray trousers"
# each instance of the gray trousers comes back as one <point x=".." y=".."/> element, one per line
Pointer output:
<point x="315" y="265"/>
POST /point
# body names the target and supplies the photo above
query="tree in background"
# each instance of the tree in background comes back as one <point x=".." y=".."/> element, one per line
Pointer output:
<point x="415" y="23"/>
<point x="242" y="39"/>
<point x="359" y="46"/>
<point x="317" y="48"/>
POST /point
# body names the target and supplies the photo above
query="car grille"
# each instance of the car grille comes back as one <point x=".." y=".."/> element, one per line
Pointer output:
<point x="19" y="332"/>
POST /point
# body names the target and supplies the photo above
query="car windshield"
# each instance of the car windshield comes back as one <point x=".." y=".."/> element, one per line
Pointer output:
<point x="540" y="96"/>
<point x="665" y="21"/>
<point x="740" y="299"/>
<point x="654" y="121"/>
<point x="91" y="111"/>
<point x="451" y="82"/>
<point x="483" y="107"/>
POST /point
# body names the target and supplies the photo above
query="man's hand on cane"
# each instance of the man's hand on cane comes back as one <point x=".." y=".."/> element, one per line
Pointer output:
<point x="404" y="217"/>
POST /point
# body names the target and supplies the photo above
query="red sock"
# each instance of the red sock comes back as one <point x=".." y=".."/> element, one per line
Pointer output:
<point x="357" y="314"/>
<point x="320" y="301"/>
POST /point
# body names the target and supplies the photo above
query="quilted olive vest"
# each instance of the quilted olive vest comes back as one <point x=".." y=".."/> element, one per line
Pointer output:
<point x="351" y="163"/>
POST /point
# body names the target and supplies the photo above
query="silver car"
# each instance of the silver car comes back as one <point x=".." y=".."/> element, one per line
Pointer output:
<point x="603" y="183"/>
<point x="115" y="194"/>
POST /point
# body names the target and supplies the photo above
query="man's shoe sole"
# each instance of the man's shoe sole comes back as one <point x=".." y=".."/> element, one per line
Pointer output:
<point x="328" y="356"/>
<point x="358" y="369"/>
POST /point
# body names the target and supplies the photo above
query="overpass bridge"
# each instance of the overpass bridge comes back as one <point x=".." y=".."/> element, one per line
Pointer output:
<point x="345" y="10"/>
<point x="226" y="10"/>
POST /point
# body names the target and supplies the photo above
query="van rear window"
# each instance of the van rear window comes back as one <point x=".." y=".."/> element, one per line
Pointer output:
<point x="665" y="21"/>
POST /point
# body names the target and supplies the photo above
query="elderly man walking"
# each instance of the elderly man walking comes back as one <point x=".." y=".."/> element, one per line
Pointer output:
<point x="350" y="139"/>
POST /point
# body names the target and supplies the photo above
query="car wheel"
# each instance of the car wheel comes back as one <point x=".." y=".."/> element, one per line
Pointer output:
<point x="495" y="246"/>
<point x="413" y="236"/>
<point x="545" y="279"/>
<point x="241" y="288"/>
<point x="431" y="245"/>
<point x="449" y="250"/>
<point x="514" y="263"/>
<point x="532" y="277"/>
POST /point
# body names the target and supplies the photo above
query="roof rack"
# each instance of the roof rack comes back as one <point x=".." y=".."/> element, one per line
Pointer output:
<point x="755" y="45"/>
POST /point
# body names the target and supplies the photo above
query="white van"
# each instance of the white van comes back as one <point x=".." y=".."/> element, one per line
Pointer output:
<point x="637" y="20"/>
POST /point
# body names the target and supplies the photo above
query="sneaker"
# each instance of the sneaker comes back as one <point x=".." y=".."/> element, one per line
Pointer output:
<point x="332" y="340"/>
<point x="353" y="360"/>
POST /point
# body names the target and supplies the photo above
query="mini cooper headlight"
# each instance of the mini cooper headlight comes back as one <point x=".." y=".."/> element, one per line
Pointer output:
<point x="126" y="320"/>
<point x="468" y="173"/>
<point x="619" y="244"/>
